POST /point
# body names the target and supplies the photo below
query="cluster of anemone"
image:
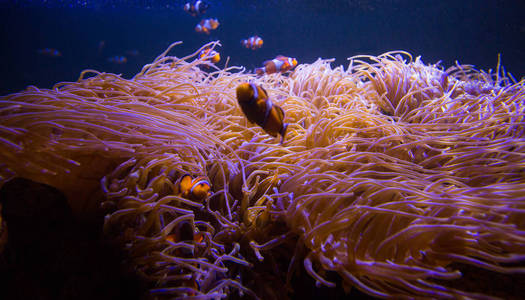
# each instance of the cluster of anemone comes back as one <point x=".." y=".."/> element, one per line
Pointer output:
<point x="393" y="175"/>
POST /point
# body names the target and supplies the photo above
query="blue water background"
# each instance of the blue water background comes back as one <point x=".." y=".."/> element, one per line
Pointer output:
<point x="471" y="32"/>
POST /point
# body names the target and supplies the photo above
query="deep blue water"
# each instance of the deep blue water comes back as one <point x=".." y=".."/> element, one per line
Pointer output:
<point x="472" y="32"/>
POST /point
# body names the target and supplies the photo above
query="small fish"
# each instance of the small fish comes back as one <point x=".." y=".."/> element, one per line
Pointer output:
<point x="194" y="189"/>
<point x="278" y="64"/>
<point x="132" y="52"/>
<point x="49" y="52"/>
<point x="184" y="232"/>
<point x="254" y="42"/>
<point x="101" y="46"/>
<point x="196" y="7"/>
<point x="259" y="109"/>
<point x="212" y="55"/>
<point x="119" y="59"/>
<point x="206" y="25"/>
<point x="174" y="238"/>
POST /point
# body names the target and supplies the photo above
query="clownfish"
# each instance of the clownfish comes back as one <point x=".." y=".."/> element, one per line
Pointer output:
<point x="118" y="59"/>
<point x="278" y="64"/>
<point x="196" y="7"/>
<point x="194" y="189"/>
<point x="49" y="52"/>
<point x="206" y="25"/>
<point x="212" y="55"/>
<point x="254" y="42"/>
<point x="184" y="232"/>
<point x="259" y="109"/>
<point x="174" y="238"/>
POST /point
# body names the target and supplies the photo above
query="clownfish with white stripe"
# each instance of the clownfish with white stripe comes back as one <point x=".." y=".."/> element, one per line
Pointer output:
<point x="259" y="109"/>
<point x="196" y="7"/>
<point x="254" y="42"/>
<point x="278" y="64"/>
<point x="185" y="231"/>
<point x="210" y="54"/>
<point x="207" y="25"/>
<point x="196" y="189"/>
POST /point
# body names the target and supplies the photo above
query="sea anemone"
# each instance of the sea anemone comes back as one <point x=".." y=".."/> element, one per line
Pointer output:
<point x="393" y="175"/>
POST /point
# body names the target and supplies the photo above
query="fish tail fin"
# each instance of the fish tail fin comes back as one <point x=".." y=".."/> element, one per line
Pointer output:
<point x="283" y="131"/>
<point x="259" y="71"/>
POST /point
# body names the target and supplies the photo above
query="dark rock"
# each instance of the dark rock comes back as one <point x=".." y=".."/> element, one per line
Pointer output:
<point x="50" y="254"/>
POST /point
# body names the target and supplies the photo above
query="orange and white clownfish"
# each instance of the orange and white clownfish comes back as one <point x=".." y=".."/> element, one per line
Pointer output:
<point x="206" y="25"/>
<point x="254" y="42"/>
<point x="259" y="109"/>
<point x="49" y="52"/>
<point x="212" y="55"/>
<point x="196" y="7"/>
<point x="184" y="232"/>
<point x="194" y="189"/>
<point x="278" y="64"/>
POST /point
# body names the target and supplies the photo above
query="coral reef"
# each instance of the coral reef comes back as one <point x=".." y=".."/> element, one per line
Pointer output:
<point x="394" y="175"/>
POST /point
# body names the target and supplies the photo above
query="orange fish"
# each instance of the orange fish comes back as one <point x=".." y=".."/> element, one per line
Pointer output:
<point x="196" y="7"/>
<point x="194" y="189"/>
<point x="278" y="64"/>
<point x="184" y="232"/>
<point x="198" y="237"/>
<point x="206" y="25"/>
<point x="254" y="42"/>
<point x="213" y="55"/>
<point x="259" y="109"/>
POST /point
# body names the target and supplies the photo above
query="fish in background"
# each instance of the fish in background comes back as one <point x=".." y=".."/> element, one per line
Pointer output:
<point x="212" y="55"/>
<point x="132" y="52"/>
<point x="196" y="7"/>
<point x="49" y="52"/>
<point x="278" y="64"/>
<point x="118" y="59"/>
<point x="254" y="42"/>
<point x="206" y="25"/>
<point x="101" y="46"/>
<point x="259" y="109"/>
